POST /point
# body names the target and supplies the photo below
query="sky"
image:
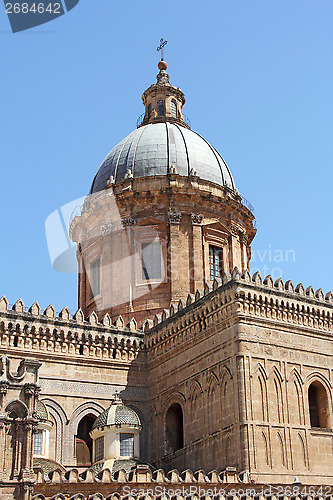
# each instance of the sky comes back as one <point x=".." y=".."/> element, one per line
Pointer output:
<point x="258" y="81"/>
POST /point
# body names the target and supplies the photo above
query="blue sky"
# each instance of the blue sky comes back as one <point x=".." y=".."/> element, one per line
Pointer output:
<point x="258" y="79"/>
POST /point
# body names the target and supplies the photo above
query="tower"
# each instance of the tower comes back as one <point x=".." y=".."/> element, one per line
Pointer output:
<point x="163" y="215"/>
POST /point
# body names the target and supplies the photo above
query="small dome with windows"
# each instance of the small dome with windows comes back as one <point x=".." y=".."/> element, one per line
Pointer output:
<point x="115" y="436"/>
<point x="42" y="432"/>
<point x="117" y="414"/>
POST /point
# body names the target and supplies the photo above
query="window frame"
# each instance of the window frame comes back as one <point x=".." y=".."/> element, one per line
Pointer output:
<point x="152" y="262"/>
<point x="92" y="271"/>
<point x="40" y="451"/>
<point x="148" y="234"/>
<point x="173" y="107"/>
<point x="159" y="101"/>
<point x="130" y="437"/>
<point x="99" y="449"/>
<point x="213" y="265"/>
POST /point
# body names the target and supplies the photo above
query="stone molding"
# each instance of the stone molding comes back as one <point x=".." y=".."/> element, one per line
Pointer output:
<point x="66" y="336"/>
<point x="237" y="295"/>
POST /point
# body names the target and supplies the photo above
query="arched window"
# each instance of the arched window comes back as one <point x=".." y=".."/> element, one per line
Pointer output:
<point x="318" y="405"/>
<point x="173" y="109"/>
<point x="149" y="110"/>
<point x="174" y="428"/>
<point x="160" y="108"/>
<point x="83" y="441"/>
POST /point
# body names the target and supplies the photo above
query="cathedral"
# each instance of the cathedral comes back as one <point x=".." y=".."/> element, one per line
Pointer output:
<point x="181" y="375"/>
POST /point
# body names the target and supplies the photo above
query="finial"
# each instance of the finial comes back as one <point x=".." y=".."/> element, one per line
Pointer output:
<point x="116" y="399"/>
<point x="162" y="64"/>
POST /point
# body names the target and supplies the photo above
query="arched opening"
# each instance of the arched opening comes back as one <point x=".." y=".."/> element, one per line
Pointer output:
<point x="318" y="405"/>
<point x="149" y="110"/>
<point x="173" y="108"/>
<point x="83" y="441"/>
<point x="160" y="108"/>
<point x="174" y="428"/>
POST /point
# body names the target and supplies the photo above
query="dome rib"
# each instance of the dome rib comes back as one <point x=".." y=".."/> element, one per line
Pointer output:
<point x="136" y="148"/>
<point x="168" y="148"/>
<point x="226" y="166"/>
<point x="188" y="160"/>
<point x="118" y="159"/>
<point x="216" y="156"/>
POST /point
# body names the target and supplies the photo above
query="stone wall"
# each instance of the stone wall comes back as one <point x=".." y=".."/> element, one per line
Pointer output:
<point x="239" y="359"/>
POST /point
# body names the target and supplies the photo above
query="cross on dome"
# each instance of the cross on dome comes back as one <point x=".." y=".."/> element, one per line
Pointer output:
<point x="160" y="47"/>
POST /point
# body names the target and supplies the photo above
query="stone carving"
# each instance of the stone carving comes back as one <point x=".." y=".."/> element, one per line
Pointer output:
<point x="106" y="228"/>
<point x="127" y="222"/>
<point x="196" y="219"/>
<point x="174" y="217"/>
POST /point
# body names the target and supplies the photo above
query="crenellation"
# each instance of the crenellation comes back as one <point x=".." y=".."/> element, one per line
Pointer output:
<point x="300" y="289"/>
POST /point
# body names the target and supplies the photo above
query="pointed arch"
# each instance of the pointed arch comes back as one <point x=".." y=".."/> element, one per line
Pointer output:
<point x="295" y="398"/>
<point x="196" y="411"/>
<point x="263" y="457"/>
<point x="280" y="458"/>
<point x="319" y="404"/>
<point x="259" y="397"/>
<point x="212" y="410"/>
<point x="57" y="432"/>
<point x="85" y="410"/>
<point x="17" y="409"/>
<point x="300" y="457"/>
<point x="276" y="401"/>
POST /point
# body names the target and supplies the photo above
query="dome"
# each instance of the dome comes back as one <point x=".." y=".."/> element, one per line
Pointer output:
<point x="117" y="414"/>
<point x="154" y="148"/>
<point x="41" y="411"/>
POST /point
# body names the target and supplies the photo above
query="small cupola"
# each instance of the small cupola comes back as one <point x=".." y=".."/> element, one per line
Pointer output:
<point x="163" y="102"/>
<point x="42" y="431"/>
<point x="115" y="435"/>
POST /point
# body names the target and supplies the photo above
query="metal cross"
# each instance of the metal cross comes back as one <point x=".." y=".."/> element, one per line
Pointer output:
<point x="160" y="47"/>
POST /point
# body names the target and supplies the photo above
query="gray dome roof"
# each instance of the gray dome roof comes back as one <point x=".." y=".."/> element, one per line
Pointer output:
<point x="117" y="415"/>
<point x="152" y="149"/>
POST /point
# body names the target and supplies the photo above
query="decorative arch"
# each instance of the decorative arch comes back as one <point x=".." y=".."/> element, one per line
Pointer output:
<point x="259" y="394"/>
<point x="263" y="450"/>
<point x="295" y="398"/>
<point x="174" y="428"/>
<point x="60" y="418"/>
<point x="300" y="458"/>
<point x="85" y="409"/>
<point x="280" y="450"/>
<point x="212" y="403"/>
<point x="18" y="407"/>
<point x="319" y="401"/>
<point x="275" y="393"/>
<point x="320" y="377"/>
<point x="196" y="410"/>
